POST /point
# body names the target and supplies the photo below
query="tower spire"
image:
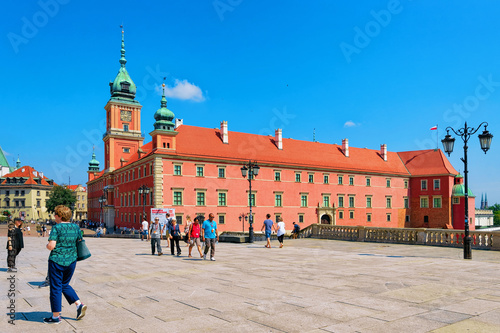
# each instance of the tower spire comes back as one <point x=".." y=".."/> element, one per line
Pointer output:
<point x="123" y="61"/>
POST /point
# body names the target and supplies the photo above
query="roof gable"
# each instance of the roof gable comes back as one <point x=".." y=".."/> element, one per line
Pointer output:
<point x="427" y="162"/>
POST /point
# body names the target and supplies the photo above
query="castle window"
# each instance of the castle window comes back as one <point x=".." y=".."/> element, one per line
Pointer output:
<point x="177" y="170"/>
<point x="423" y="185"/>
<point x="125" y="127"/>
<point x="199" y="171"/>
<point x="222" y="172"/>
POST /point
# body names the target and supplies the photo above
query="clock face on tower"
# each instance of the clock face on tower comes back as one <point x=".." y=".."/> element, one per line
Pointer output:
<point x="125" y="115"/>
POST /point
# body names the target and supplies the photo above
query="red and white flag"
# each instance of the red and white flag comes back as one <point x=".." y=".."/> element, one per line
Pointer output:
<point x="433" y="128"/>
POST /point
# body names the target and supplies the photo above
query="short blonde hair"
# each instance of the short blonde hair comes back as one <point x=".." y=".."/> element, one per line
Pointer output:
<point x="63" y="212"/>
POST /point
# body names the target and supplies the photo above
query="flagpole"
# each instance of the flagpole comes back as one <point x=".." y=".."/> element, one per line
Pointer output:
<point x="437" y="137"/>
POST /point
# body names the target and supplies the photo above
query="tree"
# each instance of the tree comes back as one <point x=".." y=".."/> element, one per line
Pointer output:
<point x="496" y="211"/>
<point x="60" y="195"/>
<point x="6" y="213"/>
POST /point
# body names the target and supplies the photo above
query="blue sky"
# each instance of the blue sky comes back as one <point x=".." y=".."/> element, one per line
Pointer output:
<point x="371" y="71"/>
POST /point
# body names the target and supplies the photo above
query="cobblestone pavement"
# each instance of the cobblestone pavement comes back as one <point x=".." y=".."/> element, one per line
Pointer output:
<point x="309" y="285"/>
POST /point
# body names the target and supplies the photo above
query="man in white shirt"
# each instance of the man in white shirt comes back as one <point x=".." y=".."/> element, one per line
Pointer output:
<point x="144" y="233"/>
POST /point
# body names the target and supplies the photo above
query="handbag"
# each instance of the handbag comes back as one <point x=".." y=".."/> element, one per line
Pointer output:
<point x="82" y="250"/>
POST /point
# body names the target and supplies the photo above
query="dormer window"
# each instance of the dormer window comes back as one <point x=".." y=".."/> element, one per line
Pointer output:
<point x="125" y="86"/>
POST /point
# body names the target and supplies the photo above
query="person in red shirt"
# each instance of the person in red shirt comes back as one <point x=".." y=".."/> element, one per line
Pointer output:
<point x="194" y="236"/>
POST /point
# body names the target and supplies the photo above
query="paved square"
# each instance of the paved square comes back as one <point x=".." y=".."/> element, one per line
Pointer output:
<point x="309" y="285"/>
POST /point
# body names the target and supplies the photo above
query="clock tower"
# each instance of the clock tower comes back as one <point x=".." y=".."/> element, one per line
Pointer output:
<point x="123" y="119"/>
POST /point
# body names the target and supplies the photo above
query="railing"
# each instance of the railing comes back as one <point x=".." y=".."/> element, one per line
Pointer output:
<point x="485" y="240"/>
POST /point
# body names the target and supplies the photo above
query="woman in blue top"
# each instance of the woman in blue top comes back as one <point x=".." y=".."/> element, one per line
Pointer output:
<point x="62" y="262"/>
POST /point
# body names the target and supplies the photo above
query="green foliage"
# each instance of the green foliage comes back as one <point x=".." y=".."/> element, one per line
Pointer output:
<point x="496" y="210"/>
<point x="6" y="213"/>
<point x="60" y="196"/>
<point x="495" y="207"/>
<point x="496" y="218"/>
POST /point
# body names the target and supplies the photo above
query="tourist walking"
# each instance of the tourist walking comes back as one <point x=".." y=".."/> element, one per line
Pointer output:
<point x="155" y="236"/>
<point x="62" y="263"/>
<point x="209" y="235"/>
<point x="295" y="231"/>
<point x="280" y="230"/>
<point x="194" y="236"/>
<point x="268" y="226"/>
<point x="186" y="229"/>
<point x="144" y="231"/>
<point x="15" y="243"/>
<point x="167" y="225"/>
<point x="175" y="236"/>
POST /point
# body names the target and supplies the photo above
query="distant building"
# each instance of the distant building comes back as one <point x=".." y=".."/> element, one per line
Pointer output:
<point x="484" y="218"/>
<point x="24" y="193"/>
<point x="80" y="209"/>
<point x="5" y="168"/>
<point x="196" y="171"/>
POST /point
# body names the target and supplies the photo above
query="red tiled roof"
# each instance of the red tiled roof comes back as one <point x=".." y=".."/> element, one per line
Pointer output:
<point x="200" y="142"/>
<point x="147" y="148"/>
<point x="206" y="142"/>
<point x="427" y="162"/>
<point x="27" y="172"/>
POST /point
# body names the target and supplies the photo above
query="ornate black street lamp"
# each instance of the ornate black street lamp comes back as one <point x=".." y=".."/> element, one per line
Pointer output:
<point x="243" y="217"/>
<point x="252" y="169"/>
<point x="102" y="201"/>
<point x="144" y="190"/>
<point x="485" y="140"/>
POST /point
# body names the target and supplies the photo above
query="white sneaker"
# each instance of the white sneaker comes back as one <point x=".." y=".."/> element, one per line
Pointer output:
<point x="213" y="259"/>
<point x="204" y="257"/>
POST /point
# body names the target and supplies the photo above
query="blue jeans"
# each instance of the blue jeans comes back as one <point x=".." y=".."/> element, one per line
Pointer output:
<point x="60" y="276"/>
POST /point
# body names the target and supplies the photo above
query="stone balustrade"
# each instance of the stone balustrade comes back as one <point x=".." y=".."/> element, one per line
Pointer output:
<point x="484" y="240"/>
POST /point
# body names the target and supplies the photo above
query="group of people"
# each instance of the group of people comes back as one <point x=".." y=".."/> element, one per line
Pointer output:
<point x="196" y="232"/>
<point x="62" y="244"/>
<point x="268" y="226"/>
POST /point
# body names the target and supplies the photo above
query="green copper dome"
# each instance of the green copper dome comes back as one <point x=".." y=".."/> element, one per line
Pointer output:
<point x="93" y="164"/>
<point x="459" y="191"/>
<point x="164" y="116"/>
<point x="123" y="87"/>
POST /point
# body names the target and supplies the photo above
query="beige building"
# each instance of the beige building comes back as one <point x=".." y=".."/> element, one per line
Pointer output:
<point x="80" y="211"/>
<point x="24" y="193"/>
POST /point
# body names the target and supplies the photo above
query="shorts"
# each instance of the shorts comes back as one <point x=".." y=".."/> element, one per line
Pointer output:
<point x="145" y="232"/>
<point x="268" y="234"/>
<point x="195" y="241"/>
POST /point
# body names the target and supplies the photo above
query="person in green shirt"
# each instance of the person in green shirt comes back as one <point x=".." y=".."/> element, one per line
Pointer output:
<point x="62" y="263"/>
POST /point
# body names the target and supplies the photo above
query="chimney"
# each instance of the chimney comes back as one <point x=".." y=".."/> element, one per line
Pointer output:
<point x="278" y="138"/>
<point x="223" y="132"/>
<point x="140" y="152"/>
<point x="383" y="151"/>
<point x="345" y="147"/>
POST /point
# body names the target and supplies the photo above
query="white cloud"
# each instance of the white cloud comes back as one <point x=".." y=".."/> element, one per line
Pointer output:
<point x="184" y="90"/>
<point x="350" y="123"/>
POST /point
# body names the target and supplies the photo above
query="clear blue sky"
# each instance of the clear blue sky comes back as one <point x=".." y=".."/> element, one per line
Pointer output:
<point x="371" y="71"/>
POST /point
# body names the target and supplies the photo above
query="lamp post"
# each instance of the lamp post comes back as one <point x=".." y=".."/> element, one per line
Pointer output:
<point x="102" y="201"/>
<point x="252" y="169"/>
<point x="143" y="190"/>
<point x="243" y="217"/>
<point x="485" y="140"/>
